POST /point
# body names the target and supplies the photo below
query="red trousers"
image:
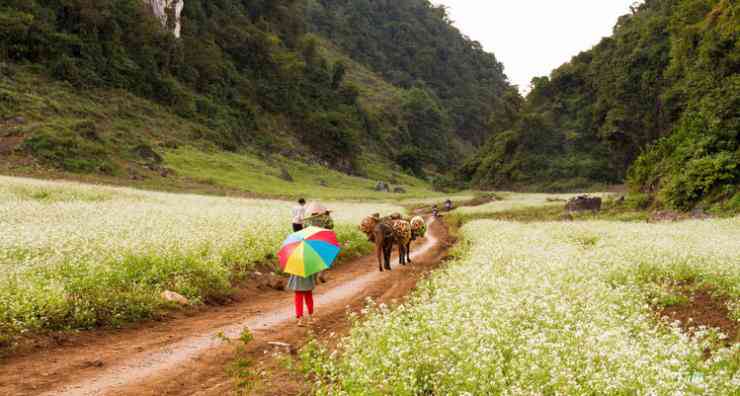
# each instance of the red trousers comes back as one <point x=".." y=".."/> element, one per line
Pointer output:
<point x="299" y="297"/>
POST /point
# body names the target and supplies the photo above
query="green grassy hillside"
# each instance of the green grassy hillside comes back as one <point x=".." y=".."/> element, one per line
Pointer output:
<point x="113" y="136"/>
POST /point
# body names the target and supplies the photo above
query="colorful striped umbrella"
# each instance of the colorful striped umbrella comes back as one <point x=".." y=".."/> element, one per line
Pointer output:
<point x="309" y="251"/>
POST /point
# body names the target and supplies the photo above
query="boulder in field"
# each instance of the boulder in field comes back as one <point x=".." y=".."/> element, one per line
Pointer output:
<point x="399" y="190"/>
<point x="382" y="187"/>
<point x="584" y="203"/>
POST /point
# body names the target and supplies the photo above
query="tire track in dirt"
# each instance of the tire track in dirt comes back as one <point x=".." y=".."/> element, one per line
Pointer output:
<point x="131" y="370"/>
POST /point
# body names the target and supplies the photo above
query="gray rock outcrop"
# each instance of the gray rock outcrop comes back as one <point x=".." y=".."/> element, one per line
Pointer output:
<point x="168" y="12"/>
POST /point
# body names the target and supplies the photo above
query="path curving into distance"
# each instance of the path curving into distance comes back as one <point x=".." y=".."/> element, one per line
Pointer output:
<point x="139" y="366"/>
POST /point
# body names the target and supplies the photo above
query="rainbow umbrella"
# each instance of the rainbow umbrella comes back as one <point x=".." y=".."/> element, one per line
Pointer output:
<point x="308" y="252"/>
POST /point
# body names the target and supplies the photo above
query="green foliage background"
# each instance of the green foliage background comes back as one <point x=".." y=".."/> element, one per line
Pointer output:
<point x="657" y="104"/>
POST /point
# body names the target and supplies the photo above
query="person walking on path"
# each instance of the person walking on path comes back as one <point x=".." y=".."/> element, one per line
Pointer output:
<point x="303" y="289"/>
<point x="298" y="214"/>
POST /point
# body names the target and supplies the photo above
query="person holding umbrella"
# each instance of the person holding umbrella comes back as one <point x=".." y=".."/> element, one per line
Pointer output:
<point x="305" y="254"/>
<point x="303" y="292"/>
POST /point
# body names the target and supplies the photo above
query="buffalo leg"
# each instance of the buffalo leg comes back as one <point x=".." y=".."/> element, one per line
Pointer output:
<point x="387" y="253"/>
<point x="378" y="250"/>
<point x="402" y="254"/>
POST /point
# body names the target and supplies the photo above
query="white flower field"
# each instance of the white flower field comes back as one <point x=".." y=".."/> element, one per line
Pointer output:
<point x="540" y="308"/>
<point x="74" y="255"/>
<point x="551" y="309"/>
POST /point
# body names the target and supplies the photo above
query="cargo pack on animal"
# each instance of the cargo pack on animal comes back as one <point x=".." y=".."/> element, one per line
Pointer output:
<point x="393" y="230"/>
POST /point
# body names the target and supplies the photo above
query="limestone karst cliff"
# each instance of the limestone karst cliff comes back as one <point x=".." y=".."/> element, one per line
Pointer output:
<point x="168" y="12"/>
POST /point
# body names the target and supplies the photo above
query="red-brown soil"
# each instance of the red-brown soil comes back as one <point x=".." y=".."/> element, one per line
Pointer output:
<point x="703" y="309"/>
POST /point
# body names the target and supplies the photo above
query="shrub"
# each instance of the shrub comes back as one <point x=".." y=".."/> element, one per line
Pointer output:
<point x="699" y="177"/>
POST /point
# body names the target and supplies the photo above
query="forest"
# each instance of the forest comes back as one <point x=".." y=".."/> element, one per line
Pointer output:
<point x="657" y="104"/>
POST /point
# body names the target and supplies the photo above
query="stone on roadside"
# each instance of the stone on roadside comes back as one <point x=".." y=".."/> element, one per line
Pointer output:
<point x="282" y="346"/>
<point x="171" y="296"/>
<point x="272" y="281"/>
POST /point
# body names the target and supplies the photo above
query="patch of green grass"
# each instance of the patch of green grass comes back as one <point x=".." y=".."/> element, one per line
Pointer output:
<point x="585" y="240"/>
<point x="58" y="194"/>
<point x="250" y="173"/>
<point x="665" y="296"/>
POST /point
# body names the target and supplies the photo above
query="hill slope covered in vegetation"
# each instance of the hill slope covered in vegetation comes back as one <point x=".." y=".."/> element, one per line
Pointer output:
<point x="243" y="75"/>
<point x="657" y="104"/>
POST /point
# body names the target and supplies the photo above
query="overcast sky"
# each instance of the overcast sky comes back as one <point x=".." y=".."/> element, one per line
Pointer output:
<point x="533" y="37"/>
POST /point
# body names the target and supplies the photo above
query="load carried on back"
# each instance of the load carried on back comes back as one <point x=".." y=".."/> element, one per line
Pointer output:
<point x="318" y="216"/>
<point x="418" y="228"/>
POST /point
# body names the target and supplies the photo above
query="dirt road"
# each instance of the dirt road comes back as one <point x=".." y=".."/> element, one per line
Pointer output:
<point x="188" y="356"/>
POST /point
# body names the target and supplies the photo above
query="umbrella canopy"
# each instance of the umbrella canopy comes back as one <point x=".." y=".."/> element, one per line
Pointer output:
<point x="309" y="251"/>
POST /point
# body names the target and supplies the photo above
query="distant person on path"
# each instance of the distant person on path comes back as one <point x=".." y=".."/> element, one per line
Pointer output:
<point x="303" y="288"/>
<point x="298" y="214"/>
<point x="448" y="205"/>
